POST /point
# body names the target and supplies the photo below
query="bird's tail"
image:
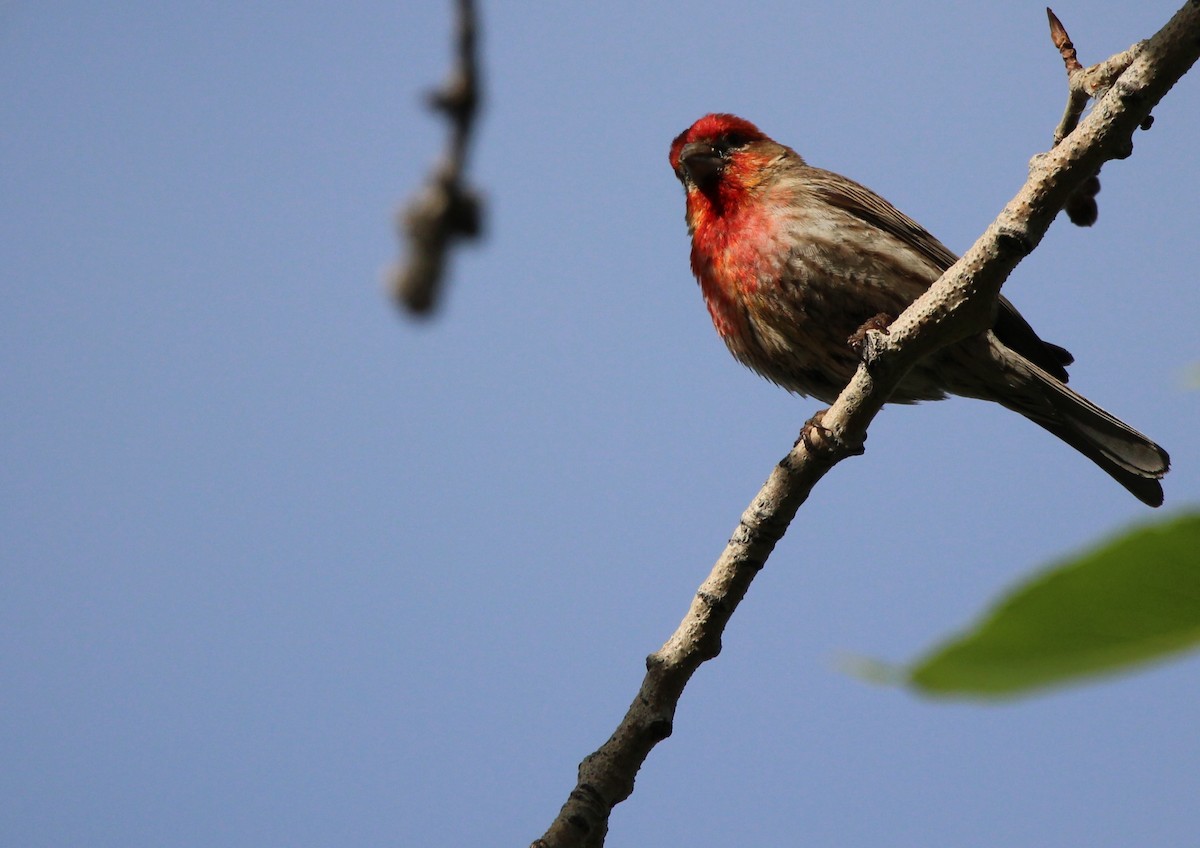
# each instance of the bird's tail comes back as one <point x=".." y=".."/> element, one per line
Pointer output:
<point x="1121" y="451"/>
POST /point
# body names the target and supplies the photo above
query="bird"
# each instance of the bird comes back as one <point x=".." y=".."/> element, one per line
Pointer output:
<point x="793" y="260"/>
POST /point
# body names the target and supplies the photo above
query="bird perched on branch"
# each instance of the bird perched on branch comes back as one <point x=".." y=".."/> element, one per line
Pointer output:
<point x="793" y="261"/>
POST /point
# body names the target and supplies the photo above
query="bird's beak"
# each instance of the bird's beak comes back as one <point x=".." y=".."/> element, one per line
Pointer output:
<point x="702" y="163"/>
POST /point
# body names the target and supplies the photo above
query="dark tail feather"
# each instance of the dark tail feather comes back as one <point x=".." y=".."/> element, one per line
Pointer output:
<point x="1122" y="452"/>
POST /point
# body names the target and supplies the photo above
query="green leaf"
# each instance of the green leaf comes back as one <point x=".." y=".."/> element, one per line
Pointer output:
<point x="1131" y="601"/>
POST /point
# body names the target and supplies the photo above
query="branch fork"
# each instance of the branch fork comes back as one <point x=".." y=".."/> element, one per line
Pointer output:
<point x="1083" y="86"/>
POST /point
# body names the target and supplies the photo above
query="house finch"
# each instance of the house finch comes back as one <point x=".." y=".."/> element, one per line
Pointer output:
<point x="793" y="260"/>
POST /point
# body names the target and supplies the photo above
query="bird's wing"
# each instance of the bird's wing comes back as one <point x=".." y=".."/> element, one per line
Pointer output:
<point x="1010" y="327"/>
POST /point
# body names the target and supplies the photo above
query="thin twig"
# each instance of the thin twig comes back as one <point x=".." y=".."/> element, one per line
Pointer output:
<point x="446" y="209"/>
<point x="1083" y="86"/>
<point x="959" y="304"/>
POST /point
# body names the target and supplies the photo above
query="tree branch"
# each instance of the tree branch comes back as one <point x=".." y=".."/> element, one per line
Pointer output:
<point x="446" y="209"/>
<point x="960" y="304"/>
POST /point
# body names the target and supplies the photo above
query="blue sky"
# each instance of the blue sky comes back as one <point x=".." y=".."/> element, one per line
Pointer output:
<point x="282" y="568"/>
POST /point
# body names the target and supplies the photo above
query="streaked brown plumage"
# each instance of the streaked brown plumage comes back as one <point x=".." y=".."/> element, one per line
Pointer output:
<point x="792" y="260"/>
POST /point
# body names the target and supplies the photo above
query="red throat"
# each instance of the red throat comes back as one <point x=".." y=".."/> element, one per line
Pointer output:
<point x="731" y="252"/>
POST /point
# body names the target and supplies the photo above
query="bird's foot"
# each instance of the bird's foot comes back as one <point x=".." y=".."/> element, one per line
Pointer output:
<point x="819" y="439"/>
<point x="880" y="322"/>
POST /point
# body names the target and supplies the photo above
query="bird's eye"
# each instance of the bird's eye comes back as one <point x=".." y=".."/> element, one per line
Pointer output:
<point x="732" y="141"/>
